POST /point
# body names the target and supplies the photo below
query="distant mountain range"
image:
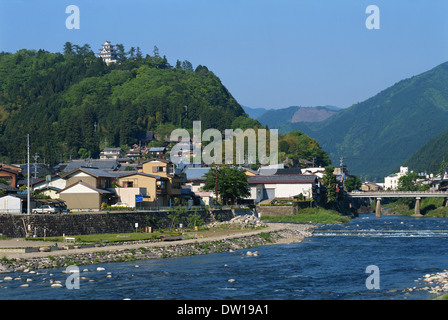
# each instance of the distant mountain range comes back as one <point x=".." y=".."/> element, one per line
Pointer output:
<point x="376" y="136"/>
<point x="275" y="118"/>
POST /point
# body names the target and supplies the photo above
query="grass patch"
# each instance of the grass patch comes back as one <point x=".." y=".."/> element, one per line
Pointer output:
<point x="309" y="215"/>
<point x="401" y="209"/>
<point x="441" y="212"/>
<point x="109" y="237"/>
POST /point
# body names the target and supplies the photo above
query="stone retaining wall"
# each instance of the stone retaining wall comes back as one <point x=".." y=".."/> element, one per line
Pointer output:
<point x="15" y="226"/>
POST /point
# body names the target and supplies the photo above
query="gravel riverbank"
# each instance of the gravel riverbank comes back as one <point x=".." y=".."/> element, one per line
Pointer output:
<point x="273" y="233"/>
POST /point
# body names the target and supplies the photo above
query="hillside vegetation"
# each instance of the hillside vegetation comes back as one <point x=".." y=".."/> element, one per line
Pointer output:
<point x="71" y="102"/>
<point x="432" y="156"/>
<point x="376" y="136"/>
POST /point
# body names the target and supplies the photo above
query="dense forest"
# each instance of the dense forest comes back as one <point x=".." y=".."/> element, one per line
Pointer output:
<point x="432" y="157"/>
<point x="375" y="137"/>
<point x="72" y="104"/>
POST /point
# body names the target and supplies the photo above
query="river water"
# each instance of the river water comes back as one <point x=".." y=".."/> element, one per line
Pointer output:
<point x="330" y="265"/>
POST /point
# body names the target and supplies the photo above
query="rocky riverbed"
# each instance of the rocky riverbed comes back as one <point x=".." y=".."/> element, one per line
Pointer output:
<point x="436" y="283"/>
<point x="272" y="234"/>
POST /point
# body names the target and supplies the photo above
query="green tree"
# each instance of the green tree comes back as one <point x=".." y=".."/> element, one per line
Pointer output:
<point x="139" y="54"/>
<point x="120" y="52"/>
<point x="231" y="183"/>
<point x="329" y="180"/>
<point x="408" y="182"/>
<point x="68" y="48"/>
<point x="187" y="66"/>
<point x="352" y="183"/>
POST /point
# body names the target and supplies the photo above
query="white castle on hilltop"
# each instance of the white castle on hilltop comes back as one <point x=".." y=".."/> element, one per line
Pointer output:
<point x="107" y="53"/>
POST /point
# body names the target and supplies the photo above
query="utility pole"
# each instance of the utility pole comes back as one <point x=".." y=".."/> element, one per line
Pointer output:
<point x="216" y="183"/>
<point x="28" y="197"/>
<point x="341" y="162"/>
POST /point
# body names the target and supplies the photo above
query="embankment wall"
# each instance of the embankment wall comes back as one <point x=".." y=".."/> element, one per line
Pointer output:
<point x="17" y="226"/>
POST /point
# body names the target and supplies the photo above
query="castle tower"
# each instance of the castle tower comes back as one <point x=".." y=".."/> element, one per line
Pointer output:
<point x="107" y="53"/>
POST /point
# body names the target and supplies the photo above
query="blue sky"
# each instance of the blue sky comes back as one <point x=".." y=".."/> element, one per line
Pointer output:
<point x="268" y="53"/>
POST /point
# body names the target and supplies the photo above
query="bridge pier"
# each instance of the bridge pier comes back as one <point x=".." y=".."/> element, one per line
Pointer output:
<point x="378" y="208"/>
<point x="417" y="207"/>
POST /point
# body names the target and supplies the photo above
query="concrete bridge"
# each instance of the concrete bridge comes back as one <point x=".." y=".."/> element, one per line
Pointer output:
<point x="418" y="195"/>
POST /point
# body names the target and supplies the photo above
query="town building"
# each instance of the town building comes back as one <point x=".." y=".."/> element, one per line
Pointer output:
<point x="87" y="188"/>
<point x="152" y="189"/>
<point x="157" y="183"/>
<point x="391" y="181"/>
<point x="82" y="196"/>
<point x="10" y="204"/>
<point x="10" y="176"/>
<point x="107" y="53"/>
<point x="110" y="153"/>
<point x="370" y="186"/>
<point x="263" y="187"/>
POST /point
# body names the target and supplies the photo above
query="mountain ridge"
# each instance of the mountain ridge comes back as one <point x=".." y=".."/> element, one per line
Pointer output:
<point x="376" y="136"/>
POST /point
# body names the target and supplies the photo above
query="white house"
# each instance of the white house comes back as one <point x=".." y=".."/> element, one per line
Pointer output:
<point x="10" y="204"/>
<point x="110" y="153"/>
<point x="281" y="186"/>
<point x="50" y="185"/>
<point x="391" y="181"/>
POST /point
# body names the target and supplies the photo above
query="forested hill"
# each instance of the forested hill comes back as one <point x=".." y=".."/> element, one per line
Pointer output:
<point x="378" y="135"/>
<point x="432" y="157"/>
<point x="71" y="102"/>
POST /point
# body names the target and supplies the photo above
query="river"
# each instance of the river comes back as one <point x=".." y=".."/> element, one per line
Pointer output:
<point x="331" y="265"/>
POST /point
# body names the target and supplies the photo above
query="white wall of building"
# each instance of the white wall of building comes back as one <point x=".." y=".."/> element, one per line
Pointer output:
<point x="391" y="182"/>
<point x="10" y="204"/>
<point x="288" y="190"/>
<point x="127" y="195"/>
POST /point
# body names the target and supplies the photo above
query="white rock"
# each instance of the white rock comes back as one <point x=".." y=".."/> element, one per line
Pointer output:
<point x="231" y="280"/>
<point x="7" y="278"/>
<point x="56" y="285"/>
<point x="100" y="269"/>
<point x="25" y="285"/>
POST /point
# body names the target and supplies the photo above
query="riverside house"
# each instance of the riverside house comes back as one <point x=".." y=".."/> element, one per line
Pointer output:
<point x="87" y="188"/>
<point x="263" y="187"/>
<point x="157" y="182"/>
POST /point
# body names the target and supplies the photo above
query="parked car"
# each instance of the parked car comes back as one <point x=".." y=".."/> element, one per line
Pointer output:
<point x="46" y="209"/>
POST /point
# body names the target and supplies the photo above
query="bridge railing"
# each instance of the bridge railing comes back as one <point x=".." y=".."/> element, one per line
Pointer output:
<point x="399" y="192"/>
